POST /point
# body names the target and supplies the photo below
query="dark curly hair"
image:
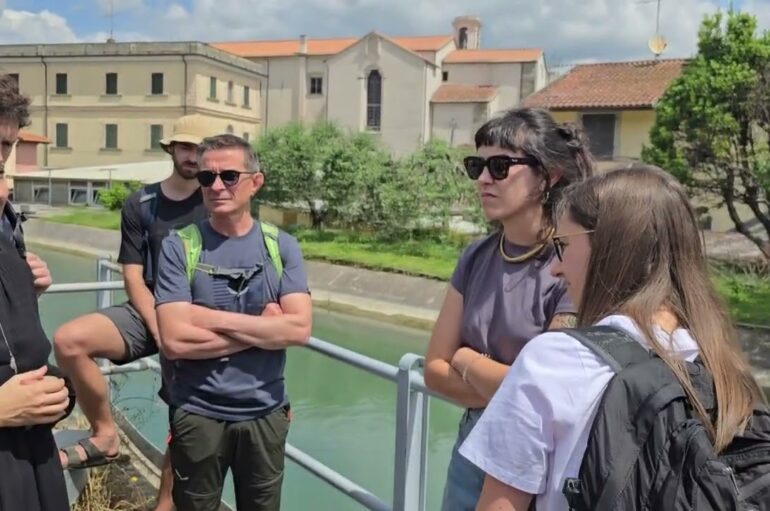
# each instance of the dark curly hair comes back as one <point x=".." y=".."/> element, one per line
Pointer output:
<point x="14" y="105"/>
<point x="560" y="148"/>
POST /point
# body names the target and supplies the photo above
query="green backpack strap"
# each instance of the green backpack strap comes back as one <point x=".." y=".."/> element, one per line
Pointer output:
<point x="193" y="245"/>
<point x="270" y="234"/>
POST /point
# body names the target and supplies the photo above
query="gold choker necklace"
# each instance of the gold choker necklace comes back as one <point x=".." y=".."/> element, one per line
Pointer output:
<point x="527" y="255"/>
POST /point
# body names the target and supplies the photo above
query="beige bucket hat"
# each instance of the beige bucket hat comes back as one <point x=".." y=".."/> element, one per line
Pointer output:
<point x="191" y="129"/>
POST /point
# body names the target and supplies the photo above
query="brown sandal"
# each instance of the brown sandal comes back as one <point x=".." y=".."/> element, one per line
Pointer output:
<point x="95" y="457"/>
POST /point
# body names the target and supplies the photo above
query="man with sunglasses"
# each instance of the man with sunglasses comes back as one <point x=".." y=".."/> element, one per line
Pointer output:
<point x="228" y="306"/>
<point x="129" y="331"/>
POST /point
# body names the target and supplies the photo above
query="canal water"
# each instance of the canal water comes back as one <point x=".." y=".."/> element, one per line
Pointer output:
<point x="342" y="416"/>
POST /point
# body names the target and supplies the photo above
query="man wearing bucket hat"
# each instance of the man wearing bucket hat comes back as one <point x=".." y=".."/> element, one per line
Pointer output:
<point x="129" y="331"/>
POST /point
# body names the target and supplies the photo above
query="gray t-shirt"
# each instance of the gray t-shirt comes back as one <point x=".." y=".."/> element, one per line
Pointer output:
<point x="506" y="304"/>
<point x="248" y="384"/>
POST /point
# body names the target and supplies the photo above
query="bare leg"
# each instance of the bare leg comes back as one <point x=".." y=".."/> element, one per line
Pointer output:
<point x="75" y="343"/>
<point x="165" y="502"/>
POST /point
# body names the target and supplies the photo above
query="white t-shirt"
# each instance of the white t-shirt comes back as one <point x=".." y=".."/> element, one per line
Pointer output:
<point x="535" y="430"/>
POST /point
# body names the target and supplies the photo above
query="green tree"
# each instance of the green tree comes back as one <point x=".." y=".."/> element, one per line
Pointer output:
<point x="713" y="123"/>
<point x="114" y="197"/>
<point x="420" y="192"/>
<point x="319" y="167"/>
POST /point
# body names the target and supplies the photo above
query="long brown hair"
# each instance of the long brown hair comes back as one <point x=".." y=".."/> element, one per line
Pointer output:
<point x="647" y="256"/>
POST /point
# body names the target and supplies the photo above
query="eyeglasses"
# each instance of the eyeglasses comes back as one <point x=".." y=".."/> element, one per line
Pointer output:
<point x="558" y="243"/>
<point x="498" y="165"/>
<point x="229" y="177"/>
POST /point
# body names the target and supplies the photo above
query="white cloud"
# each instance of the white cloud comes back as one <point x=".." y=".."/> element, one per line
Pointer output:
<point x="23" y="27"/>
<point x="176" y="12"/>
<point x="569" y="31"/>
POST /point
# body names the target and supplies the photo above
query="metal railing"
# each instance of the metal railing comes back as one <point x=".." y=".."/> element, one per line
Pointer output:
<point x="412" y="399"/>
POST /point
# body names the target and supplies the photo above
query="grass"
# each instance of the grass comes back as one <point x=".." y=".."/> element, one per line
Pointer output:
<point x="747" y="293"/>
<point x="429" y="256"/>
<point x="434" y="256"/>
<point x="90" y="217"/>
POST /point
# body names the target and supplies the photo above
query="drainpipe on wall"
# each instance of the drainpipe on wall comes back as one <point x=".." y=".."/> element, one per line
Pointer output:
<point x="45" y="113"/>
<point x="424" y="103"/>
<point x="184" y="101"/>
<point x="328" y="89"/>
<point x="302" y="85"/>
<point x="267" y="99"/>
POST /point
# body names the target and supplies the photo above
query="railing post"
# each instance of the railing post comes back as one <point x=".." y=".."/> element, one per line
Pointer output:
<point x="104" y="300"/>
<point x="103" y="274"/>
<point x="411" y="439"/>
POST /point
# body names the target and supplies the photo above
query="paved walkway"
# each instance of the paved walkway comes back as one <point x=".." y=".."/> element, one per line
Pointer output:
<point x="731" y="246"/>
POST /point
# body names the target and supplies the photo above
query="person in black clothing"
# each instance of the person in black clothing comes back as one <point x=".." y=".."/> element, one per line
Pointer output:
<point x="129" y="331"/>
<point x="33" y="395"/>
<point x="14" y="115"/>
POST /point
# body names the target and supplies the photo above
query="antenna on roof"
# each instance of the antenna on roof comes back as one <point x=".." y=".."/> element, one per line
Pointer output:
<point x="112" y="19"/>
<point x="657" y="43"/>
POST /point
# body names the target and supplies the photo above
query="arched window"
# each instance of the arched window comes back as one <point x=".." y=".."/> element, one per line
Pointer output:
<point x="463" y="38"/>
<point x="373" y="100"/>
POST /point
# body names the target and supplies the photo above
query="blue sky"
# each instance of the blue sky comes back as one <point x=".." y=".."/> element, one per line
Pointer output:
<point x="568" y="30"/>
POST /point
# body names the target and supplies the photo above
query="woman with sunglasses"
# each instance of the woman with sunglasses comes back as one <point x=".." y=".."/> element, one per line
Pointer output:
<point x="502" y="293"/>
<point x="633" y="235"/>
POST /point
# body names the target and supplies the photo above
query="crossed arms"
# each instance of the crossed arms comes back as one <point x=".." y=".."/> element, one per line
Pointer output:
<point x="189" y="331"/>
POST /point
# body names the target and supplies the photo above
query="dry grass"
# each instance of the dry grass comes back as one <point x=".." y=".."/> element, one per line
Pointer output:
<point x="112" y="488"/>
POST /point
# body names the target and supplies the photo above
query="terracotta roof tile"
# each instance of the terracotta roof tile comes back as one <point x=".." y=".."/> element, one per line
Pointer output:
<point x="26" y="136"/>
<point x="289" y="47"/>
<point x="493" y="56"/>
<point x="638" y="84"/>
<point x="424" y="43"/>
<point x="460" y="93"/>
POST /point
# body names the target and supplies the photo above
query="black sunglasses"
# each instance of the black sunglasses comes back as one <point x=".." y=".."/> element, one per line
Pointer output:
<point x="498" y="165"/>
<point x="229" y="177"/>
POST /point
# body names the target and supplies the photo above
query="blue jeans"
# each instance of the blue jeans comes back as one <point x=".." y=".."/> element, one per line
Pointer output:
<point x="464" y="479"/>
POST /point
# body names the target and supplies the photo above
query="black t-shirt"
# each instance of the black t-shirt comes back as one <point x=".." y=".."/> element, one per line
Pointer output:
<point x="169" y="215"/>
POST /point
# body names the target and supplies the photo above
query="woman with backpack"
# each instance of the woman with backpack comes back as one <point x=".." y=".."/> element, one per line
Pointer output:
<point x="502" y="293"/>
<point x="631" y="254"/>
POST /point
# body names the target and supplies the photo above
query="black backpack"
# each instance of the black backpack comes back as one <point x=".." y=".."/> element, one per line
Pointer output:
<point x="648" y="450"/>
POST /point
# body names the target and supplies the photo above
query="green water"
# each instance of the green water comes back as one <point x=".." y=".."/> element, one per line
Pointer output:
<point x="343" y="416"/>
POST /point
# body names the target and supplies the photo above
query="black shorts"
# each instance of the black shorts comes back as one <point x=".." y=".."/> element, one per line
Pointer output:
<point x="137" y="338"/>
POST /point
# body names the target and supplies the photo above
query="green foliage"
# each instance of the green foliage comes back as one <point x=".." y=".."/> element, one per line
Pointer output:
<point x="319" y="168"/>
<point x="113" y="198"/>
<point x="746" y="292"/>
<point x="416" y="194"/>
<point x="713" y="123"/>
<point x="349" y="181"/>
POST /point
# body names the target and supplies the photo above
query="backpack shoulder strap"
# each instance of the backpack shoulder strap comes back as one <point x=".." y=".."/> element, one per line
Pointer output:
<point x="615" y="346"/>
<point x="148" y="202"/>
<point x="193" y="245"/>
<point x="270" y="234"/>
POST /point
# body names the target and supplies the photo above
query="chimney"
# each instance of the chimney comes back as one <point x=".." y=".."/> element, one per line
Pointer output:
<point x="303" y="44"/>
